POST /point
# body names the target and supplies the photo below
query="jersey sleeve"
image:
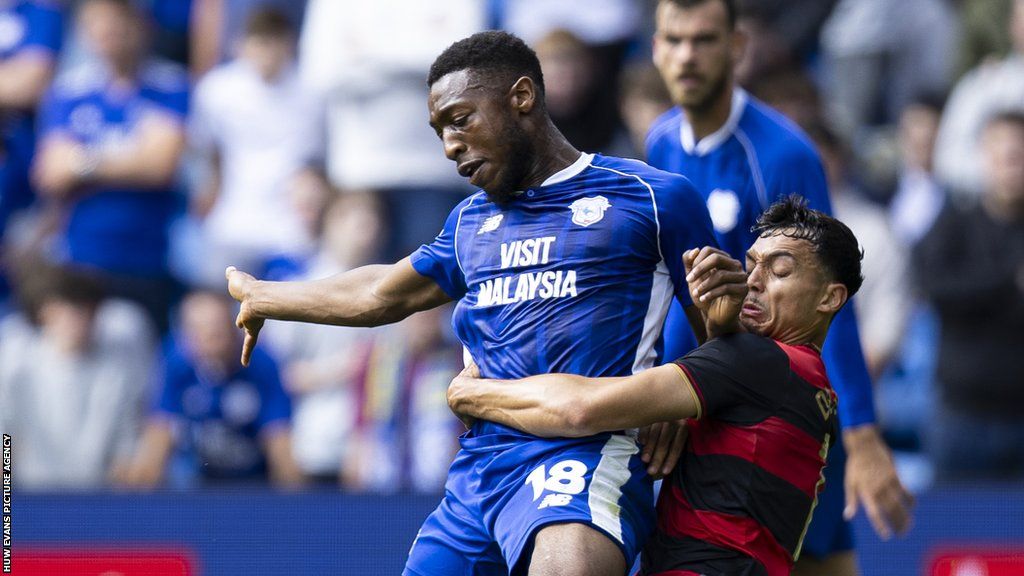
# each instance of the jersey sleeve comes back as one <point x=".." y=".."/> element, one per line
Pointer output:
<point x="735" y="370"/>
<point x="847" y="370"/>
<point x="439" y="260"/>
<point x="683" y="223"/>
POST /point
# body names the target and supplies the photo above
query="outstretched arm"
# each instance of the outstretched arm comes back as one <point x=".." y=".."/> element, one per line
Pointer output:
<point x="366" y="296"/>
<point x="551" y="405"/>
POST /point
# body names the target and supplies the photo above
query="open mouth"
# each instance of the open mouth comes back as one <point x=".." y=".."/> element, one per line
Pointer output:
<point x="468" y="169"/>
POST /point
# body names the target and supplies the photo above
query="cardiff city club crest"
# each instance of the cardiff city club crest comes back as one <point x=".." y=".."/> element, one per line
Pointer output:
<point x="587" y="211"/>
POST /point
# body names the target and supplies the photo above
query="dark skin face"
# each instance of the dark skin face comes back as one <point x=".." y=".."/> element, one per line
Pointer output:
<point x="498" y="138"/>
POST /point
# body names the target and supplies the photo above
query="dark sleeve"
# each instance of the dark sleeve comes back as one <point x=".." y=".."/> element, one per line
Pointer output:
<point x="953" y="270"/>
<point x="736" y="370"/>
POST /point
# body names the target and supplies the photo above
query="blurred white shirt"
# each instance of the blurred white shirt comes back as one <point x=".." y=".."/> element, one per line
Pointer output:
<point x="265" y="133"/>
<point x="369" y="61"/>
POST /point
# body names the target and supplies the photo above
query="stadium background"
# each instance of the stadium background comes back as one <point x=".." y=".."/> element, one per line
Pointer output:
<point x="330" y="165"/>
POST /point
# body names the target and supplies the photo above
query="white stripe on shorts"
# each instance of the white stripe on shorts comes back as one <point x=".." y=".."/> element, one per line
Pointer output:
<point x="611" y="474"/>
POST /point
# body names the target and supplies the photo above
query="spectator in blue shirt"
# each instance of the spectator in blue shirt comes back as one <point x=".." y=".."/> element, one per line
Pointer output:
<point x="233" y="422"/>
<point x="112" y="133"/>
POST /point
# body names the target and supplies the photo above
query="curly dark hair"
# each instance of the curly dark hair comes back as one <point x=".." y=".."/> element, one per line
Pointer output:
<point x="833" y="241"/>
<point x="503" y="56"/>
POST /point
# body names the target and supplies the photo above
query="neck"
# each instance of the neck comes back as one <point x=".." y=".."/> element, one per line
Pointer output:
<point x="552" y="152"/>
<point x="125" y="69"/>
<point x="706" y="120"/>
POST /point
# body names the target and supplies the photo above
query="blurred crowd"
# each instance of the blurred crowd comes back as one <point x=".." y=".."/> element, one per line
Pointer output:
<point x="146" y="145"/>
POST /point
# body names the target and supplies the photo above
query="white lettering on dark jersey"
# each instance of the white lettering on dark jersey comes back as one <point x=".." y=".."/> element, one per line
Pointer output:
<point x="526" y="252"/>
<point x="505" y="290"/>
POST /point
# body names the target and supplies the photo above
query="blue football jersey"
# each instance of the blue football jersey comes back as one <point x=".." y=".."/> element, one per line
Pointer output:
<point x="120" y="229"/>
<point x="756" y="158"/>
<point x="573" y="276"/>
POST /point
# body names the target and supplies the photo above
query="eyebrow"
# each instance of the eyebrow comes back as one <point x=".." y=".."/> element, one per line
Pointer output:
<point x="770" y="255"/>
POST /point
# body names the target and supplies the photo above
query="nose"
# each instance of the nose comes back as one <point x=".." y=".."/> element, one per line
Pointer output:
<point x="684" y="53"/>
<point x="453" y="146"/>
<point x="755" y="281"/>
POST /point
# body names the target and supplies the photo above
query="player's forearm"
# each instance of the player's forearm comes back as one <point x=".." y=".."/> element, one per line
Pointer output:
<point x="347" y="299"/>
<point x="542" y="405"/>
<point x="148" y="166"/>
<point x="574" y="406"/>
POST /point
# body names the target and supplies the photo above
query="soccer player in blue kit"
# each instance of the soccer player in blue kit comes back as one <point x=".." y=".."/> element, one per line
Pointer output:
<point x="563" y="262"/>
<point x="743" y="156"/>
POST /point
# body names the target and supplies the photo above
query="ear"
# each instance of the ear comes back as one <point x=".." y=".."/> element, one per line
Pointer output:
<point x="523" y="95"/>
<point x="833" y="298"/>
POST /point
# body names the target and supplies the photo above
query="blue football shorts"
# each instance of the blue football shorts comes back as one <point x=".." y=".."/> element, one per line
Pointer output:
<point x="503" y="488"/>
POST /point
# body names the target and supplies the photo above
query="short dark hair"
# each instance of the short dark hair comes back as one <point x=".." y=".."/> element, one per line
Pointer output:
<point x="730" y="7"/>
<point x="269" y="22"/>
<point x="499" y="54"/>
<point x="833" y="241"/>
<point x="38" y="282"/>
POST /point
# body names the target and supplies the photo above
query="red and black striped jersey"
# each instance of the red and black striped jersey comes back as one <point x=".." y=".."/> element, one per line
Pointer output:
<point x="741" y="498"/>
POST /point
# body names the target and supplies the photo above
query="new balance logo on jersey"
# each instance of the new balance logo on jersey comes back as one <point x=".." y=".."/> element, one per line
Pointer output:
<point x="587" y="211"/>
<point x="491" y="224"/>
<point x="554" y="500"/>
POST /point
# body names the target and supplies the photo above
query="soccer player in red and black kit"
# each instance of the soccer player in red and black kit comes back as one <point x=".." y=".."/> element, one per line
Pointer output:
<point x="764" y="413"/>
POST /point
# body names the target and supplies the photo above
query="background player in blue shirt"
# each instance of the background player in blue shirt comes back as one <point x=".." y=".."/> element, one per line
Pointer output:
<point x="564" y="262"/>
<point x="743" y="156"/>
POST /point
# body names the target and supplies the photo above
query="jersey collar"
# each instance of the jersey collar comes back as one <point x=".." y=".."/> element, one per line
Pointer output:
<point x="712" y="141"/>
<point x="569" y="171"/>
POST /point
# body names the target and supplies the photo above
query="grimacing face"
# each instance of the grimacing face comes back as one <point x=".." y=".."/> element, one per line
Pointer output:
<point x="478" y="126"/>
<point x="695" y="51"/>
<point x="789" y="292"/>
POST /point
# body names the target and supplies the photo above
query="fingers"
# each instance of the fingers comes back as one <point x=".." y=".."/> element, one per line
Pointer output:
<point x="877" y="518"/>
<point x="707" y="259"/>
<point x="661" y="450"/>
<point x="653" y="438"/>
<point x="675" y="451"/>
<point x="850" y="510"/>
<point x="733" y="289"/>
<point x="642" y="436"/>
<point x="248" y="345"/>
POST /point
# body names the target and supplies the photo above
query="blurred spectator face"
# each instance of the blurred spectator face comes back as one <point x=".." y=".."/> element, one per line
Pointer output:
<point x="67" y="324"/>
<point x="919" y="125"/>
<point x="568" y="72"/>
<point x="209" y="328"/>
<point x="1003" y="145"/>
<point x="269" y="54"/>
<point x="696" y="50"/>
<point x="112" y="29"/>
<point x="354" y="228"/>
<point x="643" y="99"/>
